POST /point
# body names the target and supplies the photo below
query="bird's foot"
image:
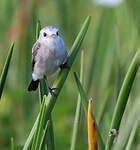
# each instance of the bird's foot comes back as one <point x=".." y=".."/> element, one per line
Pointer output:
<point x="63" y="66"/>
<point x="51" y="90"/>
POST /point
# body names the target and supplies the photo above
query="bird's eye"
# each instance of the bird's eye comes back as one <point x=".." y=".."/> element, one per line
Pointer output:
<point x="45" y="34"/>
<point x="57" y="33"/>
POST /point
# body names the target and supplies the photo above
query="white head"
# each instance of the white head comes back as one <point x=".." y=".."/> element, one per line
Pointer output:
<point x="49" y="33"/>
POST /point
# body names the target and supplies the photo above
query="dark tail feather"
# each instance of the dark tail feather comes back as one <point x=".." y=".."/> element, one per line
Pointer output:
<point x="33" y="85"/>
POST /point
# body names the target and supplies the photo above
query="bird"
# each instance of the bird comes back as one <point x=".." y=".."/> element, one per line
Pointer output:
<point x="48" y="54"/>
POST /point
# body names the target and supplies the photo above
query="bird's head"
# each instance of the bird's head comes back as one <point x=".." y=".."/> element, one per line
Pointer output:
<point x="49" y="33"/>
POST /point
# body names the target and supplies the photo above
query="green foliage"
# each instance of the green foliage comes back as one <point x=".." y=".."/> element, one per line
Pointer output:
<point x="43" y="142"/>
<point x="78" y="109"/>
<point x="12" y="144"/>
<point x="123" y="96"/>
<point x="125" y="135"/>
<point x="109" y="47"/>
<point x="30" y="137"/>
<point x="39" y="129"/>
<point x="5" y="69"/>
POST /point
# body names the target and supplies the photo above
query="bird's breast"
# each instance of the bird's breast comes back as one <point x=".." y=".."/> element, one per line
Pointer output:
<point x="50" y="56"/>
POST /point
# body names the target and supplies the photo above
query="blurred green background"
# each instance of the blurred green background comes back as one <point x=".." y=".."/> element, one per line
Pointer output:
<point x="109" y="46"/>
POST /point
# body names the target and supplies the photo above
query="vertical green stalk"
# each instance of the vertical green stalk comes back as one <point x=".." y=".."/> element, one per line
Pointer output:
<point x="123" y="96"/>
<point x="5" y="69"/>
<point x="78" y="109"/>
<point x="12" y="143"/>
<point x="44" y="133"/>
<point x="39" y="130"/>
<point x="38" y="28"/>
<point x="126" y="129"/>
<point x="30" y="137"/>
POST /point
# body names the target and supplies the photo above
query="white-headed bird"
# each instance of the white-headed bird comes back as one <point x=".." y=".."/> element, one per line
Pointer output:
<point x="48" y="54"/>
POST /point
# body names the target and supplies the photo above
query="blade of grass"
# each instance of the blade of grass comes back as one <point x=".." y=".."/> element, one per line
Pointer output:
<point x="84" y="100"/>
<point x="82" y="93"/>
<point x="49" y="137"/>
<point x="38" y="28"/>
<point x="30" y="137"/>
<point x="124" y="133"/>
<point x="123" y="96"/>
<point x="59" y="82"/>
<point x="5" y="69"/>
<point x="46" y="147"/>
<point x="43" y="90"/>
<point x="12" y="143"/>
<point x="44" y="133"/>
<point x="78" y="109"/>
<point x="39" y="128"/>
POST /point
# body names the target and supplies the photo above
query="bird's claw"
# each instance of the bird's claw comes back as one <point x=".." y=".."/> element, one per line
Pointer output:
<point x="63" y="66"/>
<point x="51" y="90"/>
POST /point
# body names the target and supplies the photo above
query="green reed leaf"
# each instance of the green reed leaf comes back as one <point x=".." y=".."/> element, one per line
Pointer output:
<point x="39" y="129"/>
<point x="5" y="69"/>
<point x="12" y="143"/>
<point x="123" y="96"/>
<point x="44" y="134"/>
<point x="78" y="109"/>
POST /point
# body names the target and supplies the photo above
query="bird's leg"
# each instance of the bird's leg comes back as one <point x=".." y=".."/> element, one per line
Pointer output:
<point x="51" y="90"/>
<point x="63" y="66"/>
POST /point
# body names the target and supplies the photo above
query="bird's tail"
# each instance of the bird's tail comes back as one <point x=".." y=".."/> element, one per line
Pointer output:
<point x="33" y="85"/>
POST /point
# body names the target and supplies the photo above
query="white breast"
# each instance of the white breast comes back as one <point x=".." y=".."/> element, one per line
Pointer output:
<point x="50" y="56"/>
